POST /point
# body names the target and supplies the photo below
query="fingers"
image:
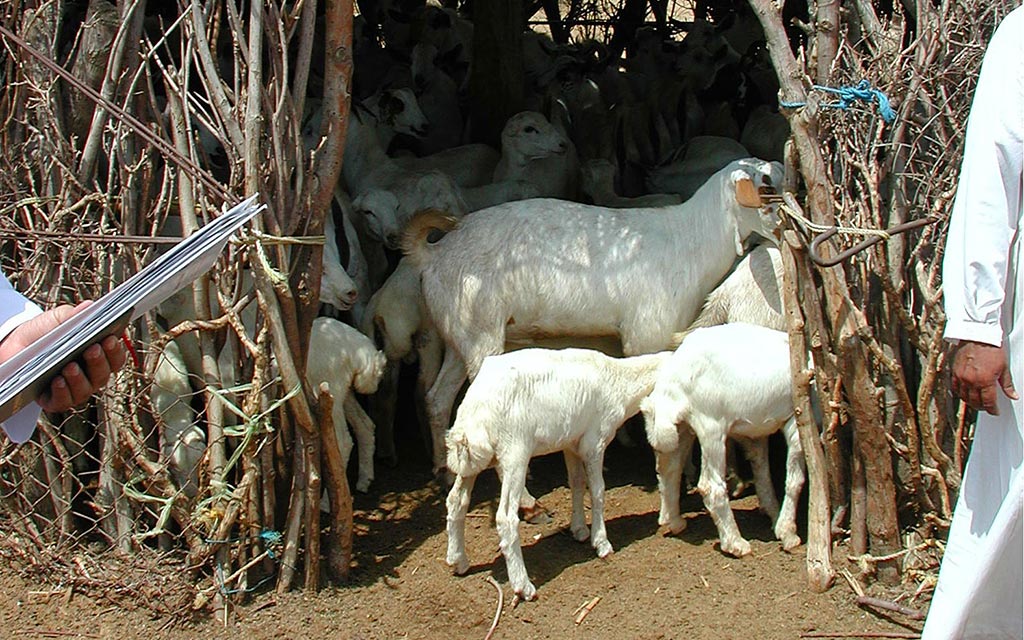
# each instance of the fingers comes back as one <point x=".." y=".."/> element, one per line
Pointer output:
<point x="75" y="386"/>
<point x="115" y="352"/>
<point x="1006" y="383"/>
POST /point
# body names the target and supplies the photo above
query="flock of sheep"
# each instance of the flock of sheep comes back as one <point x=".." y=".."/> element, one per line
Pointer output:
<point x="552" y="241"/>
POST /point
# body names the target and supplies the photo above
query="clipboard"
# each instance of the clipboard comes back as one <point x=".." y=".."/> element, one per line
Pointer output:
<point x="28" y="373"/>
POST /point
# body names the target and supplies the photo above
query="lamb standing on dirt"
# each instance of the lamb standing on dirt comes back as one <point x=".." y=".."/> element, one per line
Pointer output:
<point x="533" y="402"/>
<point x="346" y="359"/>
<point x="731" y="380"/>
<point x="556" y="268"/>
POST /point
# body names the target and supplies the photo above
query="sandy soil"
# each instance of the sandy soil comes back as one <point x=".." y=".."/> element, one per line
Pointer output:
<point x="654" y="586"/>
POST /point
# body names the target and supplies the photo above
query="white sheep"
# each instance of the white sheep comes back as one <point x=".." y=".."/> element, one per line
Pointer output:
<point x="345" y="359"/>
<point x="751" y="293"/>
<point x="182" y="441"/>
<point x="727" y="381"/>
<point x="557" y="268"/>
<point x="387" y="210"/>
<point x="694" y="164"/>
<point x="370" y="129"/>
<point x="528" y="141"/>
<point x="597" y="180"/>
<point x="534" y="402"/>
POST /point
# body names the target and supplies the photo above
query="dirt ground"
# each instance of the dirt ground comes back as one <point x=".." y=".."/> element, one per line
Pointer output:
<point x="653" y="586"/>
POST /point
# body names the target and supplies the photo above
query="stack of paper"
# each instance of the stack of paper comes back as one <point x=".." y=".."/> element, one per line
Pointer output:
<point x="27" y="374"/>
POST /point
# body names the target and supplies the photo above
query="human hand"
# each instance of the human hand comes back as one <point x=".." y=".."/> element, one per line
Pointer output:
<point x="74" y="385"/>
<point x="979" y="370"/>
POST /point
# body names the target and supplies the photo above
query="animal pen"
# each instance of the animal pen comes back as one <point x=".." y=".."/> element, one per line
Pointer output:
<point x="141" y="120"/>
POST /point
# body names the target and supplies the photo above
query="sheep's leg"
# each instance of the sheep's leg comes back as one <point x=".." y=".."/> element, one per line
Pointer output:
<point x="533" y="511"/>
<point x="458" y="505"/>
<point x="513" y="483"/>
<point x="577" y="484"/>
<point x="713" y="489"/>
<point x="429" y="353"/>
<point x="363" y="428"/>
<point x="441" y="400"/>
<point x="737" y="484"/>
<point x="757" y="453"/>
<point x="344" y="445"/>
<point x="382" y="411"/>
<point x="594" y="463"/>
<point x="670" y="478"/>
<point x="785" y="525"/>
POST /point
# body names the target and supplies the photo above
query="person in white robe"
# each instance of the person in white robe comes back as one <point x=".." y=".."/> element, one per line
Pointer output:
<point x="979" y="592"/>
<point x="21" y="323"/>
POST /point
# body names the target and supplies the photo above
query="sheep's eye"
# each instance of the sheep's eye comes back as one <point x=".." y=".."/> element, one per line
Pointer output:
<point x="530" y="129"/>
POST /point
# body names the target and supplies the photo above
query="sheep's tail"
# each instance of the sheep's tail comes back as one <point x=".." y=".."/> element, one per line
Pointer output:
<point x="469" y="453"/>
<point x="417" y="233"/>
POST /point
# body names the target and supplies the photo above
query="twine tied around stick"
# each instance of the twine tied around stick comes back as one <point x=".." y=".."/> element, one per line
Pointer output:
<point x="862" y="91"/>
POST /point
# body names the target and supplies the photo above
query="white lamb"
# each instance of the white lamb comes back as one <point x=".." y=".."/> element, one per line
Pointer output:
<point x="528" y="141"/>
<point x="346" y="359"/>
<point x="182" y="441"/>
<point x="534" y="402"/>
<point x="751" y="293"/>
<point x="548" y="267"/>
<point x="727" y="381"/>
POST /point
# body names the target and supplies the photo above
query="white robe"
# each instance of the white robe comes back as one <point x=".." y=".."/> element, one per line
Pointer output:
<point x="979" y="593"/>
<point x="14" y="310"/>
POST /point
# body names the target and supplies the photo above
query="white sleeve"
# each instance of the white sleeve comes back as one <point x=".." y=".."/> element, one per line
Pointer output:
<point x="14" y="310"/>
<point x="987" y="210"/>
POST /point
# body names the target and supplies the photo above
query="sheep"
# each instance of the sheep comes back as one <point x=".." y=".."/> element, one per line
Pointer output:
<point x="534" y="402"/>
<point x="765" y="133"/>
<point x="341" y="282"/>
<point x="388" y="210"/>
<point x="182" y="441"/>
<point x="550" y="267"/>
<point x="370" y="129"/>
<point x="527" y="140"/>
<point x="468" y="165"/>
<point x="438" y="96"/>
<point x="345" y="359"/>
<point x="751" y="293"/>
<point x="597" y="179"/>
<point x="731" y="380"/>
<point x="494" y="193"/>
<point x="696" y="162"/>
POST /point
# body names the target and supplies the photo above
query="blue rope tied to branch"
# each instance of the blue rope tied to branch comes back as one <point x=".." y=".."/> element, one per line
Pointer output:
<point x="848" y="95"/>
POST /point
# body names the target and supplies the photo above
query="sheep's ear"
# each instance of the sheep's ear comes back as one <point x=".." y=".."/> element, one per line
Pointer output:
<point x="746" y="193"/>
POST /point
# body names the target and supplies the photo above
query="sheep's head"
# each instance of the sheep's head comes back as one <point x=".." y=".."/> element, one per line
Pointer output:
<point x="368" y="376"/>
<point x="660" y="425"/>
<point x="750" y="181"/>
<point x="400" y="110"/>
<point x="379" y="207"/>
<point x="530" y="135"/>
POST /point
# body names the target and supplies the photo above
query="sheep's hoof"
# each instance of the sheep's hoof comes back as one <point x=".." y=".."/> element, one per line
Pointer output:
<point x="527" y="592"/>
<point x="536" y="514"/>
<point x="676" y="525"/>
<point x="459" y="564"/>
<point x="738" y="548"/>
<point x="580" y="532"/>
<point x="363" y="485"/>
<point x="790" y="541"/>
<point x="604" y="549"/>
